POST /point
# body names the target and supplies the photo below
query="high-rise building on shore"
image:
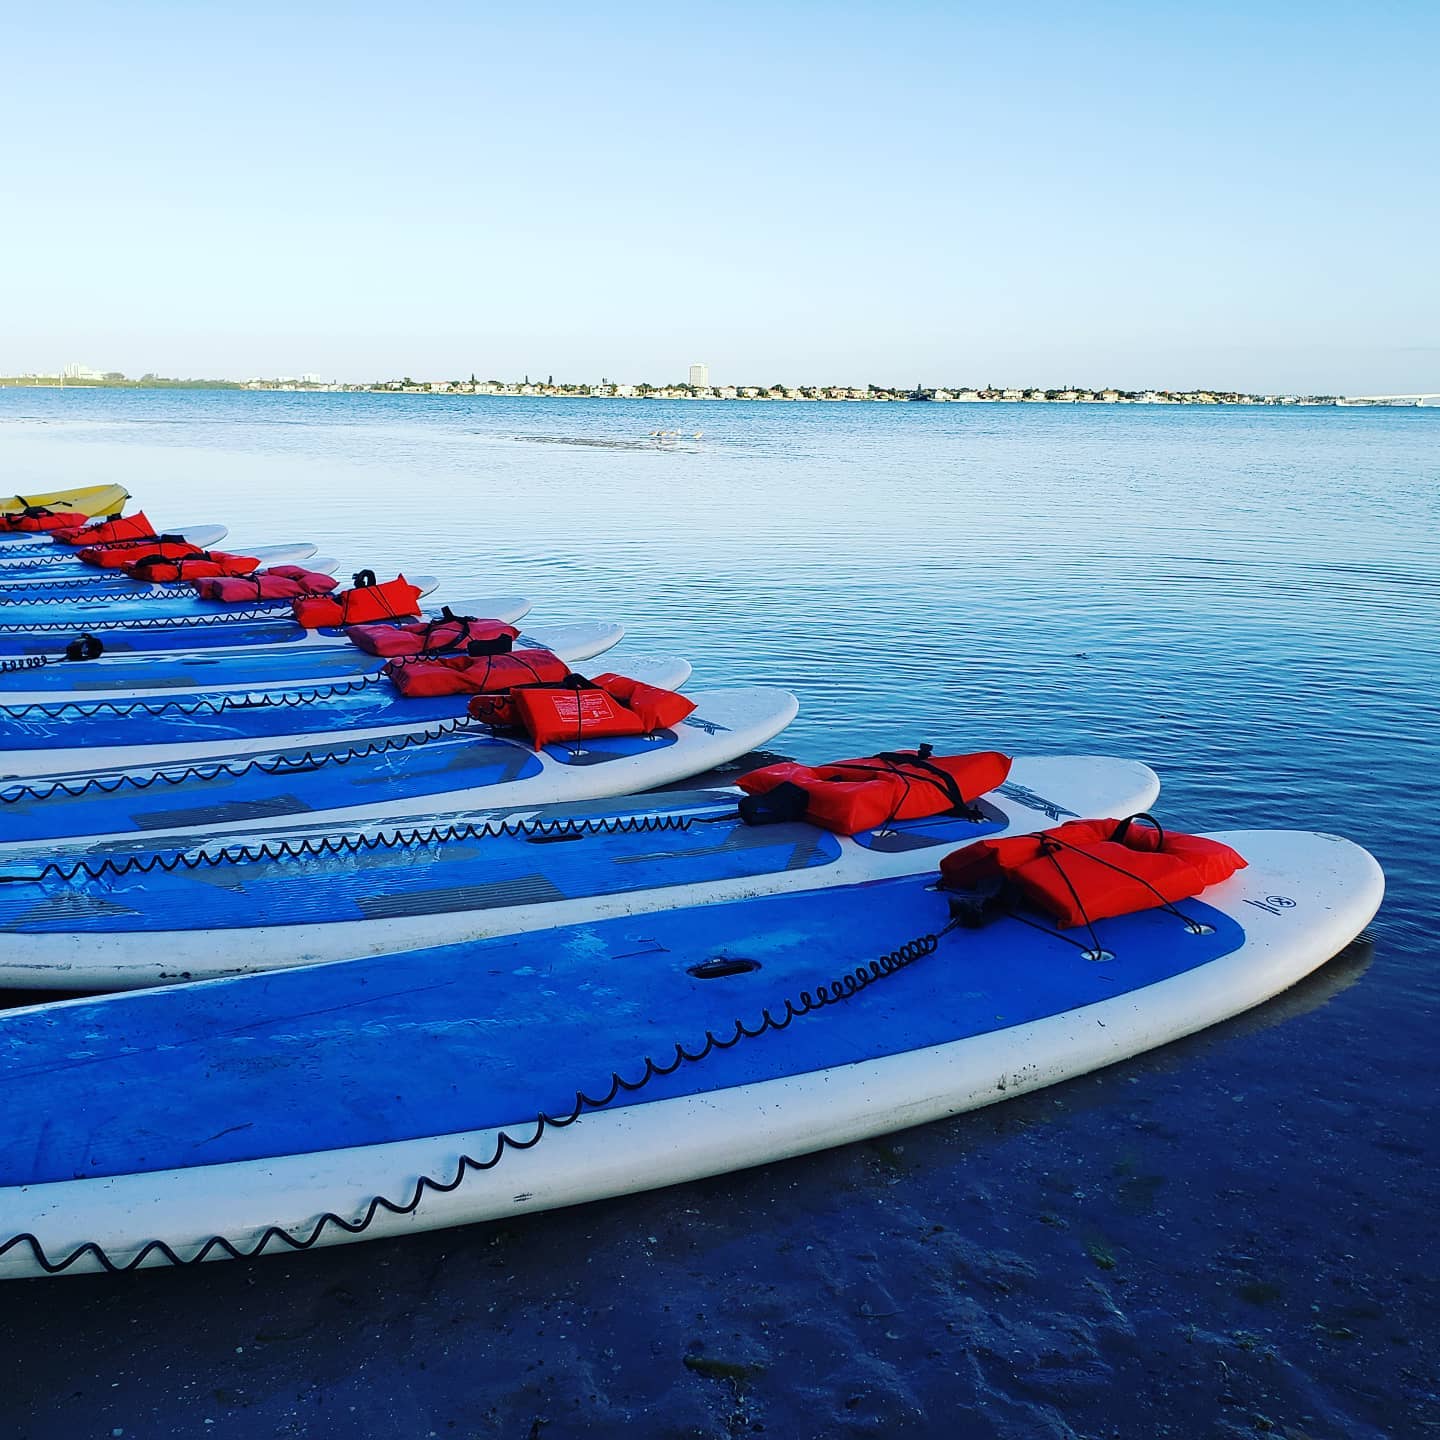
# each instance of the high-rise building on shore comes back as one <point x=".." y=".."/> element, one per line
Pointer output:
<point x="700" y="375"/>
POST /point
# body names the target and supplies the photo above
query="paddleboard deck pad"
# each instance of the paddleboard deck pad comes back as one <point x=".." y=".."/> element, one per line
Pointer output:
<point x="262" y="1115"/>
<point x="22" y="549"/>
<point x="53" y="736"/>
<point x="162" y="603"/>
<point x="453" y="765"/>
<point x="235" y="628"/>
<point x="198" y="673"/>
<point x="102" y="584"/>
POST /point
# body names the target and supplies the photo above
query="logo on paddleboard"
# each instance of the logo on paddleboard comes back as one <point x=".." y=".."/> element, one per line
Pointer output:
<point x="1273" y="904"/>
<point x="1014" y="791"/>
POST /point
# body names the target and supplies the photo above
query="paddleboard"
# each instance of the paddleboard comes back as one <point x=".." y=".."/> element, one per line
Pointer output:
<point x="52" y="737"/>
<point x="59" y="585"/>
<point x="147" y="603"/>
<point x="450" y="766"/>
<point x="118" y="916"/>
<point x="91" y="500"/>
<point x="219" y="667"/>
<point x="318" y="1106"/>
<point x="39" y="550"/>
<point x="156" y="677"/>
<point x="231" y="630"/>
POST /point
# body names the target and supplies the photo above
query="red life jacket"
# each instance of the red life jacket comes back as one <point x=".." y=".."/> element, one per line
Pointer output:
<point x="121" y="557"/>
<point x="1094" y="869"/>
<point x="34" y="519"/>
<point x="449" y="632"/>
<point x="855" y="795"/>
<point x="158" y="569"/>
<point x="126" y="527"/>
<point x="475" y="674"/>
<point x="394" y="599"/>
<point x="279" y="582"/>
<point x="657" y="708"/>
<point x="576" y="710"/>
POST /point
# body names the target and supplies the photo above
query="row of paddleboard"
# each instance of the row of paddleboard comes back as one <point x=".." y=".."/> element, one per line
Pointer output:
<point x="491" y="979"/>
<point x="500" y="1076"/>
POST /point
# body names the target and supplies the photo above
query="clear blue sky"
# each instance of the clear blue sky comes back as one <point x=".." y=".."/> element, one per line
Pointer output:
<point x="1161" y="194"/>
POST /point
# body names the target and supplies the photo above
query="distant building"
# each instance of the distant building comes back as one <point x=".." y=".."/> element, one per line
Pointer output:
<point x="309" y="379"/>
<point x="700" y="375"/>
<point x="82" y="372"/>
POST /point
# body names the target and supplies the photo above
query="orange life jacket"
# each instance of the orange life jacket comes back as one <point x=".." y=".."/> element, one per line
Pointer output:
<point x="447" y="632"/>
<point x="125" y="527"/>
<point x="204" y="564"/>
<point x="855" y="795"/>
<point x="575" y="709"/>
<point x="34" y="519"/>
<point x="475" y="674"/>
<point x="656" y="707"/>
<point x="121" y="557"/>
<point x="1093" y="869"/>
<point x="394" y="599"/>
<point x="279" y="582"/>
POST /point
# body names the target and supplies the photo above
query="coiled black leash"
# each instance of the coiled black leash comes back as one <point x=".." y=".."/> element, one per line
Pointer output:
<point x="326" y="846"/>
<point x="157" y="591"/>
<point x="219" y="705"/>
<point x="306" y="761"/>
<point x="270" y="612"/>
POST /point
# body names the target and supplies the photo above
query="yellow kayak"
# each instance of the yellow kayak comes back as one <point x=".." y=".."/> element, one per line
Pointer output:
<point x="87" y="500"/>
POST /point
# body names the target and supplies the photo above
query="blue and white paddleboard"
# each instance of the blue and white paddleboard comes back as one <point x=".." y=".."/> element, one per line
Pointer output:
<point x="230" y="626"/>
<point x="48" y="737"/>
<point x="343" y="780"/>
<point x="120" y="915"/>
<point x="116" y="583"/>
<point x="36" y="551"/>
<point x="185" y="676"/>
<point x="148" y="603"/>
<point x="265" y="1114"/>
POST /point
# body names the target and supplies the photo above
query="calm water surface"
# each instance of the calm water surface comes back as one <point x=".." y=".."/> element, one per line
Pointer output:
<point x="1232" y="1236"/>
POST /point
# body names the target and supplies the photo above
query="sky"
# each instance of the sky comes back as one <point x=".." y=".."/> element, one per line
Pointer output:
<point x="1226" y="195"/>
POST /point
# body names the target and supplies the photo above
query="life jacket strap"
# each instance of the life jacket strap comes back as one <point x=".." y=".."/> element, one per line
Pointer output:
<point x="915" y="765"/>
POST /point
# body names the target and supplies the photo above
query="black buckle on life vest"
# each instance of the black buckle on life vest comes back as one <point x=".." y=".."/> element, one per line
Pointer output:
<point x="363" y="579"/>
<point x="495" y="645"/>
<point x="786" y="802"/>
<point x="979" y="905"/>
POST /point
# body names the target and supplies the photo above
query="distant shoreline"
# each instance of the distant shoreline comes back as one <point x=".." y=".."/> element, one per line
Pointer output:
<point x="833" y="394"/>
<point x="838" y="395"/>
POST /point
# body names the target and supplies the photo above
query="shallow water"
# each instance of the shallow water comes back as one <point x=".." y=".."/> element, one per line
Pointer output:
<point x="1229" y="1236"/>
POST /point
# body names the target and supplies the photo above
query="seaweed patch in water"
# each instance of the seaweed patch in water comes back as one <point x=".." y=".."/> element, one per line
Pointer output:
<point x="1100" y="1253"/>
<point x="731" y="1370"/>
